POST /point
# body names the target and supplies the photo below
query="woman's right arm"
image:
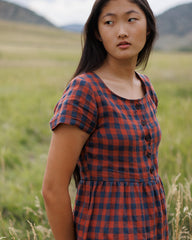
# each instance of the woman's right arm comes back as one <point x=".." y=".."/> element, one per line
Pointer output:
<point x="66" y="145"/>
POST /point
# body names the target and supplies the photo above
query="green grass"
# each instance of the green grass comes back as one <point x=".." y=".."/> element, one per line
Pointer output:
<point x="36" y="63"/>
<point x="170" y="74"/>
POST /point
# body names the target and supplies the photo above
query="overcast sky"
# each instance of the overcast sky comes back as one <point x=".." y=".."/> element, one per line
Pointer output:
<point x="62" y="12"/>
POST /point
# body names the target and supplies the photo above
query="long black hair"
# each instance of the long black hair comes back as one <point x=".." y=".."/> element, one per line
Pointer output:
<point x="94" y="53"/>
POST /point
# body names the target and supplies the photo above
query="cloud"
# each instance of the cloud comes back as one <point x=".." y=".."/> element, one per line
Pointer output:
<point x="161" y="6"/>
<point x="62" y="11"/>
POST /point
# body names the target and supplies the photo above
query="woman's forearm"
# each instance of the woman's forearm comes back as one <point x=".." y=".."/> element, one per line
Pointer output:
<point x="59" y="212"/>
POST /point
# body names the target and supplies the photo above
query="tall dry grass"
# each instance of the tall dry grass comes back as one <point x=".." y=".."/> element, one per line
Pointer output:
<point x="179" y="207"/>
<point x="35" y="231"/>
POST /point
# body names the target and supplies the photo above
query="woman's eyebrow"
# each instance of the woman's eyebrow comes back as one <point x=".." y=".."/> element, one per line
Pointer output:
<point x="131" y="11"/>
<point x="126" y="13"/>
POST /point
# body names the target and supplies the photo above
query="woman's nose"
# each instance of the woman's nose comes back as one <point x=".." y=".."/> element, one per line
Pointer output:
<point x="122" y="35"/>
<point x="122" y="32"/>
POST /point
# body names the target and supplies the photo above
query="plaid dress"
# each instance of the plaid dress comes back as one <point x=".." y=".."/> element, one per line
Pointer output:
<point x="120" y="195"/>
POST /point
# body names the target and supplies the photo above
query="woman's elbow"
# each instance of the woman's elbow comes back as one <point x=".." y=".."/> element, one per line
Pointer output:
<point x="47" y="192"/>
<point x="52" y="192"/>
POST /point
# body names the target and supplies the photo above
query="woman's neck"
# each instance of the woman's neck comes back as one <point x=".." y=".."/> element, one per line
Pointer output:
<point x="121" y="70"/>
<point x="121" y="79"/>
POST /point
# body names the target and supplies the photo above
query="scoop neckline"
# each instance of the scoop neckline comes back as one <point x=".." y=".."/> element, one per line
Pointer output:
<point x="126" y="99"/>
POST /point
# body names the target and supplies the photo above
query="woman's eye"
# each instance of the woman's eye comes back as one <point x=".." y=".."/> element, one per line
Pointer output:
<point x="109" y="22"/>
<point x="132" y="19"/>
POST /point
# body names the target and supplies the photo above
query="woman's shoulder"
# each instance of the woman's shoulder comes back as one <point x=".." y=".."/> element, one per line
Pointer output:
<point x="82" y="89"/>
<point x="83" y="83"/>
<point x="149" y="87"/>
<point x="145" y="78"/>
<point x="146" y="81"/>
<point x="84" y="79"/>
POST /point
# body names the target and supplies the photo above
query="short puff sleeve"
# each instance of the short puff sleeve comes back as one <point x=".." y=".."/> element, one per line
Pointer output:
<point x="77" y="106"/>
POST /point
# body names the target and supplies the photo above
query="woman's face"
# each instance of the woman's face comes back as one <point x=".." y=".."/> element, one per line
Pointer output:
<point x="122" y="28"/>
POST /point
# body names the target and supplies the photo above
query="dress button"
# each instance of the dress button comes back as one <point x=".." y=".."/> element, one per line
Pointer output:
<point x="152" y="169"/>
<point x="148" y="137"/>
<point x="138" y="106"/>
<point x="148" y="154"/>
<point x="144" y="123"/>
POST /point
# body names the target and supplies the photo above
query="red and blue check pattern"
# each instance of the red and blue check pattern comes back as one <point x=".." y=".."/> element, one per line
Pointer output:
<point x="120" y="195"/>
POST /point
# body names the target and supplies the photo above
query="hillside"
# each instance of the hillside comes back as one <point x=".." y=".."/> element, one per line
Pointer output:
<point x="177" y="20"/>
<point x="73" y="27"/>
<point x="175" y="28"/>
<point x="16" y="13"/>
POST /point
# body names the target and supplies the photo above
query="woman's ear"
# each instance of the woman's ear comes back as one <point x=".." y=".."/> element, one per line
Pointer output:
<point x="98" y="36"/>
<point x="148" y="31"/>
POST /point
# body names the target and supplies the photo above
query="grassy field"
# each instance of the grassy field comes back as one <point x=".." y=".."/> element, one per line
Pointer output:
<point x="35" y="65"/>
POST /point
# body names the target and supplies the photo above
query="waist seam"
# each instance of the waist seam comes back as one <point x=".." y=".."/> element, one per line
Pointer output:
<point x="127" y="180"/>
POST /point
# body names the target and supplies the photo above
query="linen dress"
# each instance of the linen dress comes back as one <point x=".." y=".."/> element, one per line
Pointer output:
<point x="120" y="195"/>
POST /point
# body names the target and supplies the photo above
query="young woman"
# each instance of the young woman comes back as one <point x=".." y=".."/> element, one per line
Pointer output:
<point x="105" y="128"/>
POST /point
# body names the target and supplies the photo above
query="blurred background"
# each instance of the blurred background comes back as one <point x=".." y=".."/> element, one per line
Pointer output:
<point x="40" y="46"/>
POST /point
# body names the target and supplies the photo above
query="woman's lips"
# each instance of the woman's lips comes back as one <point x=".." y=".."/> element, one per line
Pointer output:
<point x="123" y="45"/>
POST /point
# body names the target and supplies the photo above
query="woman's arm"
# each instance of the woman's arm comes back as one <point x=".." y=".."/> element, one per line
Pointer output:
<point x="66" y="145"/>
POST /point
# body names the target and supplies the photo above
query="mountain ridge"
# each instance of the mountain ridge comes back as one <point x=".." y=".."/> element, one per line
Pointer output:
<point x="73" y="27"/>
<point x="175" y="29"/>
<point x="176" y="20"/>
<point x="14" y="12"/>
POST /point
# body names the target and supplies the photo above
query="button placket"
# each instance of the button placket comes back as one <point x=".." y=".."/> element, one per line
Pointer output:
<point x="148" y="145"/>
<point x="147" y="137"/>
<point x="138" y="110"/>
